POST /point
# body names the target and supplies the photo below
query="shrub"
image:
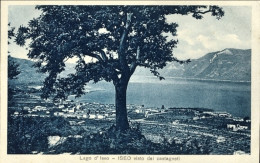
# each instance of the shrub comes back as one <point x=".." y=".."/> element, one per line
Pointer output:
<point x="28" y="134"/>
<point x="131" y="141"/>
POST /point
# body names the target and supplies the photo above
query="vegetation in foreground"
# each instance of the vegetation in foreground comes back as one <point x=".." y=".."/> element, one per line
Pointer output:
<point x="30" y="135"/>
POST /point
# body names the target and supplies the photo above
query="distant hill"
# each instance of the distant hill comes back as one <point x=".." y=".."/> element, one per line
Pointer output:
<point x="28" y="73"/>
<point x="228" y="64"/>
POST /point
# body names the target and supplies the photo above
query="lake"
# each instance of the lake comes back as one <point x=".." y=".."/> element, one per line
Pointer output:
<point x="232" y="97"/>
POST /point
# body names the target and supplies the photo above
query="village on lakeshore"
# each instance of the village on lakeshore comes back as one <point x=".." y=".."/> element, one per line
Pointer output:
<point x="228" y="134"/>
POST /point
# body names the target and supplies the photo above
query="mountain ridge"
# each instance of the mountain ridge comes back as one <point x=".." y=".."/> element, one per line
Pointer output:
<point x="228" y="64"/>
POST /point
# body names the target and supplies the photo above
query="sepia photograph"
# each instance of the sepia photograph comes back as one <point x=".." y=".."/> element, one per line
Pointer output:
<point x="129" y="82"/>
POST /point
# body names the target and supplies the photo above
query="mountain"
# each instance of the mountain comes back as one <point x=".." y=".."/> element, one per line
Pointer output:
<point x="228" y="64"/>
<point x="28" y="73"/>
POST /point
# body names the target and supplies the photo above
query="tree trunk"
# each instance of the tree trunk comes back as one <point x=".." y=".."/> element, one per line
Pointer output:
<point x="121" y="111"/>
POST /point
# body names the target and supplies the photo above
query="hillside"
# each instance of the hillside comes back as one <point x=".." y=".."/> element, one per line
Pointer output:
<point x="228" y="64"/>
<point x="28" y="73"/>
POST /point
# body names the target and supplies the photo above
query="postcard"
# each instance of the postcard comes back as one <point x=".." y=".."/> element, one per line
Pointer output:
<point x="130" y="81"/>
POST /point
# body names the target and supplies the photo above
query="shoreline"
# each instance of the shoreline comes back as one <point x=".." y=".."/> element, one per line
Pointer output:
<point x="196" y="79"/>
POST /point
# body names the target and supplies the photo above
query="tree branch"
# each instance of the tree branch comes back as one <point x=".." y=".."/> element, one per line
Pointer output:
<point x="122" y="57"/>
<point x="134" y="63"/>
<point x="105" y="58"/>
<point x="200" y="12"/>
<point x="143" y="64"/>
<point x="95" y="56"/>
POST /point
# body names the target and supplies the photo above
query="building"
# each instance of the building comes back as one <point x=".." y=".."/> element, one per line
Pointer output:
<point x="16" y="113"/>
<point x="140" y="109"/>
<point x="100" y="116"/>
<point x="58" y="114"/>
<point x="39" y="108"/>
<point x="238" y="119"/>
<point x="223" y="114"/>
<point x="92" y="116"/>
<point x="61" y="106"/>
<point x="26" y="108"/>
<point x="176" y="122"/>
<point x="232" y="126"/>
<point x="84" y="116"/>
<point x="71" y="110"/>
<point x="196" y="118"/>
<point x="236" y="127"/>
<point x="150" y="113"/>
<point x="220" y="139"/>
<point x="240" y="127"/>
<point x="65" y="109"/>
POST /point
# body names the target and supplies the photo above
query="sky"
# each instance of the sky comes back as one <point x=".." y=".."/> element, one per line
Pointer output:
<point x="195" y="37"/>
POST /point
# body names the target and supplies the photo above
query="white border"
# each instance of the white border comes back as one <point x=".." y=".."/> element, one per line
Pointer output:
<point x="255" y="88"/>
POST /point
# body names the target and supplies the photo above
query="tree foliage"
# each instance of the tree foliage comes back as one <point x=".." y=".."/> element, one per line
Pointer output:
<point x="13" y="67"/>
<point x="109" y="42"/>
<point x="28" y="134"/>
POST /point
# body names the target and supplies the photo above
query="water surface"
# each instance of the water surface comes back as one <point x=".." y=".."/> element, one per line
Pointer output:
<point x="233" y="97"/>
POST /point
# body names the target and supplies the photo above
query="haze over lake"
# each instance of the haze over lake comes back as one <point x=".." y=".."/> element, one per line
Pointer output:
<point x="232" y="97"/>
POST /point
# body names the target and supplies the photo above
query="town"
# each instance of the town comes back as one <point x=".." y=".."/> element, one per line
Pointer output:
<point x="225" y="134"/>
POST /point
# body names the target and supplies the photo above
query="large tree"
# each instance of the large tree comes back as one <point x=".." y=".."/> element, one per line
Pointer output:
<point x="109" y="43"/>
